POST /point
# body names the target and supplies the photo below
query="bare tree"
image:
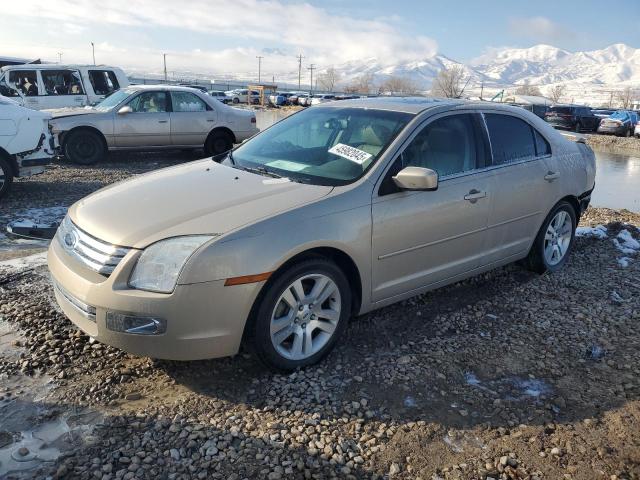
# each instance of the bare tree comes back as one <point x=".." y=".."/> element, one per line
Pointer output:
<point x="527" y="89"/>
<point x="449" y="82"/>
<point x="556" y="92"/>
<point x="625" y="97"/>
<point x="361" y="84"/>
<point x="328" y="79"/>
<point x="398" y="85"/>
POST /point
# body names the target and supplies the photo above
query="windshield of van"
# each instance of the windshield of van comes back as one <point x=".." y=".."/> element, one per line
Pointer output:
<point x="322" y="145"/>
<point x="112" y="100"/>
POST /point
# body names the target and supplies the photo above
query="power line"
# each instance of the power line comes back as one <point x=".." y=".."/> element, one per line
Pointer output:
<point x="299" y="57"/>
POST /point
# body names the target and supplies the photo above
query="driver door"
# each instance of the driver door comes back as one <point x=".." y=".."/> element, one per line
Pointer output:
<point x="147" y="125"/>
<point x="421" y="238"/>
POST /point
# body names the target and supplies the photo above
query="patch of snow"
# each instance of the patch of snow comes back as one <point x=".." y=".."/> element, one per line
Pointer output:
<point x="626" y="243"/>
<point x="30" y="261"/>
<point x="471" y="379"/>
<point x="599" y="231"/>
<point x="410" y="402"/>
<point x="624" y="262"/>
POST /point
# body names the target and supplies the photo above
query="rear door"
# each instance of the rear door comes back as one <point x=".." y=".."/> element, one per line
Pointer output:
<point x="191" y="119"/>
<point x="62" y="88"/>
<point x="420" y="238"/>
<point x="148" y="124"/>
<point x="523" y="183"/>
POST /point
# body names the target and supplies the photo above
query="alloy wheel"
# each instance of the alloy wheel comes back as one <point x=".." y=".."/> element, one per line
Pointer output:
<point x="305" y="316"/>
<point x="557" y="237"/>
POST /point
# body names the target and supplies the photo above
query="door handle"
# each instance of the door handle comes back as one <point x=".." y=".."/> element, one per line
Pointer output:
<point x="551" y="176"/>
<point x="163" y="121"/>
<point x="474" y="195"/>
<point x="210" y="120"/>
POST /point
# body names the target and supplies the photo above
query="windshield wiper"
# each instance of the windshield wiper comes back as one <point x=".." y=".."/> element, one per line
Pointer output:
<point x="261" y="171"/>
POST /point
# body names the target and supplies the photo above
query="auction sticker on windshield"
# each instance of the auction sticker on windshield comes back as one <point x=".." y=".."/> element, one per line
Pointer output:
<point x="350" y="153"/>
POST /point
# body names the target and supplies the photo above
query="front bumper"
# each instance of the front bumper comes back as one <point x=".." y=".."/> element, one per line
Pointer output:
<point x="203" y="320"/>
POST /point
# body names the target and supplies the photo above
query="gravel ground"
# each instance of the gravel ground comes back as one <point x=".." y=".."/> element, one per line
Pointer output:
<point x="613" y="143"/>
<point x="505" y="375"/>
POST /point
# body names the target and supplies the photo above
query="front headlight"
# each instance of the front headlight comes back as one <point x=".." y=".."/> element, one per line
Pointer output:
<point x="160" y="264"/>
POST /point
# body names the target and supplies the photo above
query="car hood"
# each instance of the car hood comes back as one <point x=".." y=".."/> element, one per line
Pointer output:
<point x="70" y="111"/>
<point x="200" y="197"/>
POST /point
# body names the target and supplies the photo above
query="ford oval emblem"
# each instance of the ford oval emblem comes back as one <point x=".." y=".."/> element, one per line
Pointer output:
<point x="70" y="240"/>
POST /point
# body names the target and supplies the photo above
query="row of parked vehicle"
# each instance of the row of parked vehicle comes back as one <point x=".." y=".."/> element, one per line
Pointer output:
<point x="580" y="118"/>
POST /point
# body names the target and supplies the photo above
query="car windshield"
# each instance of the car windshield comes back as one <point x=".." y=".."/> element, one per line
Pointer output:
<point x="112" y="100"/>
<point x="323" y="145"/>
<point x="620" y="115"/>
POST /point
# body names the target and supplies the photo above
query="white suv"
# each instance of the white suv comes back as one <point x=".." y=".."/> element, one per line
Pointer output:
<point x="26" y="143"/>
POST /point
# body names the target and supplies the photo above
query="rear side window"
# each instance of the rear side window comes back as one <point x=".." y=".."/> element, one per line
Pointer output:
<point x="62" y="82"/>
<point x="104" y="82"/>
<point x="561" y="110"/>
<point x="26" y="81"/>
<point x="511" y="138"/>
<point x="187" y="102"/>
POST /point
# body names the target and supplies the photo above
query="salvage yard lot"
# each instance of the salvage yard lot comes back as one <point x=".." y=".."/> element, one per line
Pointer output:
<point x="507" y="375"/>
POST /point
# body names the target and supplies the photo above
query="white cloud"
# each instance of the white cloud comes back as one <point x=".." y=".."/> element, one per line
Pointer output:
<point x="324" y="38"/>
<point x="539" y="29"/>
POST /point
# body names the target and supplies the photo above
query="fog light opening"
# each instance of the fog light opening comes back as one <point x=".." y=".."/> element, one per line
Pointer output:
<point x="134" y="325"/>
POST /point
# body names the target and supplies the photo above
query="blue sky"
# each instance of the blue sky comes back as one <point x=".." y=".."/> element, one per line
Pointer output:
<point x="226" y="35"/>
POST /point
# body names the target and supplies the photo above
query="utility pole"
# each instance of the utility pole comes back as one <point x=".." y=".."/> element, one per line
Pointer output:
<point x="59" y="57"/>
<point x="164" y="59"/>
<point x="481" y="89"/>
<point x="93" y="51"/>
<point x="299" y="57"/>
<point x="311" y="68"/>
<point x="259" y="66"/>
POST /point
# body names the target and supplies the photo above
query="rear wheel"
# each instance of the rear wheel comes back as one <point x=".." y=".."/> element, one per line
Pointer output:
<point x="217" y="143"/>
<point x="236" y="100"/>
<point x="554" y="241"/>
<point x="85" y="147"/>
<point x="578" y="127"/>
<point x="6" y="176"/>
<point x="302" y="315"/>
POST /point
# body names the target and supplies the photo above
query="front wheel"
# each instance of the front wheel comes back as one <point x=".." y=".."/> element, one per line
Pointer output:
<point x="217" y="143"/>
<point x="85" y="147"/>
<point x="302" y="315"/>
<point x="6" y="176"/>
<point x="554" y="241"/>
<point x="577" y="128"/>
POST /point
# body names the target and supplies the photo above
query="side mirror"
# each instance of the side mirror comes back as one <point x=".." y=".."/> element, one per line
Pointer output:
<point x="124" y="110"/>
<point x="416" y="178"/>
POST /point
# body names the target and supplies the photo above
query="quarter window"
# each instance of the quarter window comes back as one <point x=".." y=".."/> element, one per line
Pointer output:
<point x="511" y="138"/>
<point x="104" y="82"/>
<point x="149" y="102"/>
<point x="447" y="145"/>
<point x="25" y="81"/>
<point x="62" y="82"/>
<point x="542" y="146"/>
<point x="187" y="102"/>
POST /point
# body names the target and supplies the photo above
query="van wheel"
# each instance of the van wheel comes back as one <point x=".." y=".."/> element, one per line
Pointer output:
<point x="236" y="100"/>
<point x="577" y="128"/>
<point x="554" y="241"/>
<point x="302" y="315"/>
<point x="85" y="147"/>
<point x="6" y="176"/>
<point x="217" y="143"/>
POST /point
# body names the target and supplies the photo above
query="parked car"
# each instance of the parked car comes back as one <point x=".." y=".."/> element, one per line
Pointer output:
<point x="304" y="100"/>
<point x="219" y="95"/>
<point x="323" y="98"/>
<point x="573" y="117"/>
<point x="26" y="143"/>
<point x="539" y="110"/>
<point x="621" y="123"/>
<point x="636" y="131"/>
<point x="242" y="96"/>
<point x="603" y="112"/>
<point x="44" y="86"/>
<point x="335" y="211"/>
<point x="151" y="117"/>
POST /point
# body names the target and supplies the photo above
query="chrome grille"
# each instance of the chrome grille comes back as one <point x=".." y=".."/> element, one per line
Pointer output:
<point x="99" y="256"/>
<point x="87" y="311"/>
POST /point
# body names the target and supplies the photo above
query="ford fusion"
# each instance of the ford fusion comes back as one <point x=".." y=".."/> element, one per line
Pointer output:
<point x="333" y="212"/>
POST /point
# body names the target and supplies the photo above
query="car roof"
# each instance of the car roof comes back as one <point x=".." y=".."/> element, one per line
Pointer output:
<point x="53" y="66"/>
<point x="162" y="86"/>
<point x="405" y="104"/>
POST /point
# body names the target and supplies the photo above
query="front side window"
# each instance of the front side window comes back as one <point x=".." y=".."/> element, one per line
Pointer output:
<point x="187" y="102"/>
<point x="447" y="145"/>
<point x="149" y="102"/>
<point x="104" y="82"/>
<point x="24" y="81"/>
<point x="511" y="138"/>
<point x="323" y="145"/>
<point x="62" y="82"/>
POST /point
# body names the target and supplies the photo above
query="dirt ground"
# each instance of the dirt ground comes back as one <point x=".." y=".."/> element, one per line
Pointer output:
<point x="509" y="374"/>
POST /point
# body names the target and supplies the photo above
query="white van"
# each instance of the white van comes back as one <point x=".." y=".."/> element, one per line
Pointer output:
<point x="43" y="86"/>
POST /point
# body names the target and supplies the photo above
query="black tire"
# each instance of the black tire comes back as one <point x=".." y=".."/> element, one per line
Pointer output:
<point x="217" y="143"/>
<point x="6" y="176"/>
<point x="628" y="133"/>
<point x="536" y="260"/>
<point x="236" y="100"/>
<point x="85" y="147"/>
<point x="260" y="326"/>
<point x="577" y="128"/>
